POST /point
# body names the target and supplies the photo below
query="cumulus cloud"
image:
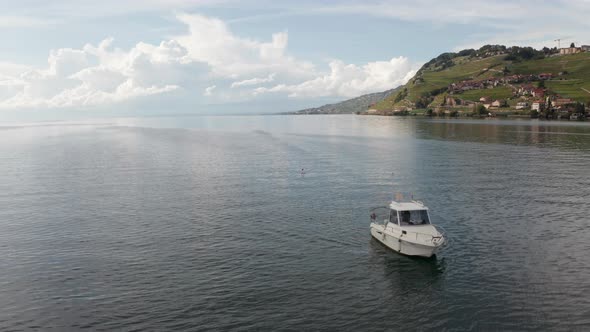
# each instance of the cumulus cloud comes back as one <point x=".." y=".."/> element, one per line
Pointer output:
<point x="209" y="57"/>
<point x="348" y="80"/>
<point x="96" y="75"/>
<point x="210" y="40"/>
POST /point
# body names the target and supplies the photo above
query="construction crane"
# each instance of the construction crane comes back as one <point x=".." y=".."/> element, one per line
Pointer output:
<point x="558" y="43"/>
<point x="558" y="40"/>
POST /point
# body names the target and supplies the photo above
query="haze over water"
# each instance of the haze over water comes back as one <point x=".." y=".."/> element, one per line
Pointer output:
<point x="206" y="223"/>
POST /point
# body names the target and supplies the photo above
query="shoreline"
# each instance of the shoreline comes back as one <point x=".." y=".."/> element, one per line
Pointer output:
<point x="460" y="117"/>
<point x="560" y="117"/>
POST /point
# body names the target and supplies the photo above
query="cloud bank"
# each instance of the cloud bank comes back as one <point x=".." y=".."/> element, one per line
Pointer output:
<point x="208" y="62"/>
<point x="348" y="80"/>
<point x="96" y="75"/>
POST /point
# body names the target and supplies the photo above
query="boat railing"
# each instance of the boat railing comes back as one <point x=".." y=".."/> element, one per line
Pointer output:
<point x="436" y="240"/>
<point x="443" y="236"/>
<point x="379" y="214"/>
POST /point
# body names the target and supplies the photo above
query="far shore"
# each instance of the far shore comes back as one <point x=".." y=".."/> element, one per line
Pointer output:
<point x="448" y="116"/>
<point x="507" y="114"/>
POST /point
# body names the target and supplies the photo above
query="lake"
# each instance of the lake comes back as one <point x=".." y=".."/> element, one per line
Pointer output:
<point x="206" y="223"/>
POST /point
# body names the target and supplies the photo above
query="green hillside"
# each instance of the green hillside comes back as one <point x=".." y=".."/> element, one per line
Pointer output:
<point x="429" y="87"/>
<point x="570" y="85"/>
<point x="502" y="92"/>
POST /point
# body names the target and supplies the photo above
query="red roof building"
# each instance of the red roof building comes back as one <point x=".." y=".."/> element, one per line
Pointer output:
<point x="538" y="92"/>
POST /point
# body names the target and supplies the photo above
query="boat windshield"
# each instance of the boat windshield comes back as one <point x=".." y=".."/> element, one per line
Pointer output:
<point x="393" y="216"/>
<point x="414" y="217"/>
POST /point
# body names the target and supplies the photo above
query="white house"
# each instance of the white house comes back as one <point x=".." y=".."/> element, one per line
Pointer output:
<point x="499" y="103"/>
<point x="538" y="106"/>
<point x="570" y="50"/>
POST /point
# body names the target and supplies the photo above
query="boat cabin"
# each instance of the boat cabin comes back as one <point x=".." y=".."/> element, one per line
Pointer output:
<point x="408" y="214"/>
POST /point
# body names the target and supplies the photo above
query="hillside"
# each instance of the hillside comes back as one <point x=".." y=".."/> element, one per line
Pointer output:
<point x="511" y="74"/>
<point x="358" y="104"/>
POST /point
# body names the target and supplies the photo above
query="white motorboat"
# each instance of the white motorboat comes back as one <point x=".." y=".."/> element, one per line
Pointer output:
<point x="407" y="229"/>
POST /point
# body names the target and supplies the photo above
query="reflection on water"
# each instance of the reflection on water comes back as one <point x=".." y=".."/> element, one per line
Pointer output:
<point x="523" y="132"/>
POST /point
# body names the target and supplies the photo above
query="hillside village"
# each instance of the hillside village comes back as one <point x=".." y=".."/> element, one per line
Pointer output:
<point x="498" y="81"/>
<point x="528" y="93"/>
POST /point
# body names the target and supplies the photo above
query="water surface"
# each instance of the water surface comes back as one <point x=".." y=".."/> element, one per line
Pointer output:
<point x="206" y="223"/>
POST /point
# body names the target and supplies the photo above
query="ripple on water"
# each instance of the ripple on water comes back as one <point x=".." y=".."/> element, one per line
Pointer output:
<point x="123" y="228"/>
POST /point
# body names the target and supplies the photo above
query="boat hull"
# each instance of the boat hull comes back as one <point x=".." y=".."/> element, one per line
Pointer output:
<point x="401" y="246"/>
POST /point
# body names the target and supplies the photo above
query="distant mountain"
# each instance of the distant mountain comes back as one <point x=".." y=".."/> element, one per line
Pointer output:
<point x="358" y="104"/>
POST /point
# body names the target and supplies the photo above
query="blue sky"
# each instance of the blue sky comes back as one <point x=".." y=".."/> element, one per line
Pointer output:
<point x="219" y="56"/>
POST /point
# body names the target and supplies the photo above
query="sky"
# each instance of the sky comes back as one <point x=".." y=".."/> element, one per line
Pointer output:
<point x="66" y="58"/>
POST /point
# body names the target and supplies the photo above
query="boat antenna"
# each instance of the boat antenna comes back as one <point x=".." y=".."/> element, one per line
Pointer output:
<point x="393" y="186"/>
